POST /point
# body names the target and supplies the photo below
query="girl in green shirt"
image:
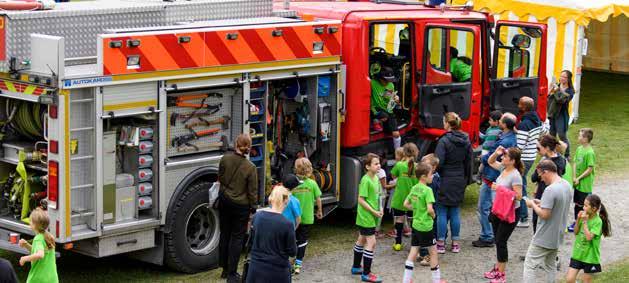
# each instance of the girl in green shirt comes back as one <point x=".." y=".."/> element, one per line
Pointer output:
<point x="368" y="213"/>
<point x="404" y="172"/>
<point x="592" y="222"/>
<point x="42" y="258"/>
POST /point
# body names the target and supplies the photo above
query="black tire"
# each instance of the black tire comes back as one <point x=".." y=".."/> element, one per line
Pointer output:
<point x="191" y="243"/>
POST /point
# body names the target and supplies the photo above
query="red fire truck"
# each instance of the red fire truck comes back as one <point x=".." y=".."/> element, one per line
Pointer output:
<point x="115" y="114"/>
<point x="416" y="41"/>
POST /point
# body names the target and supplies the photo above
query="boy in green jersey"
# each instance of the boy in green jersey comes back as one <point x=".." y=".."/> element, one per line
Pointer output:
<point x="368" y="213"/>
<point x="592" y="223"/>
<point x="404" y="173"/>
<point x="308" y="192"/>
<point x="583" y="177"/>
<point x="420" y="200"/>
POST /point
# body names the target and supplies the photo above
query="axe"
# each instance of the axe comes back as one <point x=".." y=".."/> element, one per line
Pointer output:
<point x="223" y="121"/>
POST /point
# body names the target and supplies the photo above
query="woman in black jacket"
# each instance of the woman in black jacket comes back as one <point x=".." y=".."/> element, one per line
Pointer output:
<point x="454" y="151"/>
<point x="237" y="200"/>
<point x="272" y="242"/>
<point x="547" y="148"/>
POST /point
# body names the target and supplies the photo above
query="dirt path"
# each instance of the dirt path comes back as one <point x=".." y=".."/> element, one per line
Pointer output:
<point x="469" y="265"/>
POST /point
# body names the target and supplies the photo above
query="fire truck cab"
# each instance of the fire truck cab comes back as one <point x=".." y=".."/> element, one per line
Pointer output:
<point x="426" y="47"/>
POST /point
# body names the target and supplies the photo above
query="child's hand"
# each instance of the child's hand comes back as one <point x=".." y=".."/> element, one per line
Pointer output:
<point x="583" y="215"/>
<point x="378" y="214"/>
<point x="23" y="243"/>
<point x="23" y="260"/>
<point x="494" y="186"/>
<point x="576" y="181"/>
<point x="319" y="214"/>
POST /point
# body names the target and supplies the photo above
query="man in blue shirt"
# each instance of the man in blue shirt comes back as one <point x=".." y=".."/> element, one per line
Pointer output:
<point x="292" y="212"/>
<point x="489" y="175"/>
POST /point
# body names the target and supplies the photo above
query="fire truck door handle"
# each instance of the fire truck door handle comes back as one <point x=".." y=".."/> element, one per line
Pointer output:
<point x="440" y="91"/>
<point x="127" y="242"/>
<point x="342" y="100"/>
<point x="510" y="85"/>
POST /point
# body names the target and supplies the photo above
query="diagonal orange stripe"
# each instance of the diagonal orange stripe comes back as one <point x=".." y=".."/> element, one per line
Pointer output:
<point x="238" y="48"/>
<point x="155" y="52"/>
<point x="278" y="47"/>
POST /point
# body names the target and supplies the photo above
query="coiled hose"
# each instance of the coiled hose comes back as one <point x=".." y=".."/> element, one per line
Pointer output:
<point x="27" y="119"/>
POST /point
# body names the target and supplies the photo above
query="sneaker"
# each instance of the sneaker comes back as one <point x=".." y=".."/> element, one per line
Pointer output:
<point x="500" y="278"/>
<point x="296" y="269"/>
<point x="571" y="227"/>
<point x="357" y="270"/>
<point x="392" y="234"/>
<point x="523" y="223"/>
<point x="371" y="278"/>
<point x="441" y="247"/>
<point x="397" y="247"/>
<point x="425" y="261"/>
<point x="492" y="273"/>
<point x="407" y="232"/>
<point x="376" y="126"/>
<point x="558" y="264"/>
<point x="483" y="244"/>
<point x="456" y="248"/>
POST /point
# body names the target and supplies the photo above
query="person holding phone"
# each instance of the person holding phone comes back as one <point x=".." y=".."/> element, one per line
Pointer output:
<point x="559" y="99"/>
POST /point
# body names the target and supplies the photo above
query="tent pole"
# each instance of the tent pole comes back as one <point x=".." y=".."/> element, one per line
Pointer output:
<point x="577" y="76"/>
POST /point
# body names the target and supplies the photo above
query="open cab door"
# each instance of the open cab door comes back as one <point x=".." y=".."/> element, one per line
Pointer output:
<point x="450" y="75"/>
<point x="518" y="66"/>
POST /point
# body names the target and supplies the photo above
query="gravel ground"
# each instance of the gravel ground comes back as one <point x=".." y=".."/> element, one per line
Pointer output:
<point x="469" y="265"/>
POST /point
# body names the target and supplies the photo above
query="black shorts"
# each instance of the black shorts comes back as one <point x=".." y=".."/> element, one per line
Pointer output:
<point x="423" y="239"/>
<point x="397" y="212"/>
<point x="579" y="197"/>
<point x="587" y="267"/>
<point x="301" y="234"/>
<point x="390" y="125"/>
<point x="366" y="231"/>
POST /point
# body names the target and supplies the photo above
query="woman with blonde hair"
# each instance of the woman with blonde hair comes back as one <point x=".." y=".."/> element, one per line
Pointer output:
<point x="272" y="241"/>
<point x="454" y="152"/>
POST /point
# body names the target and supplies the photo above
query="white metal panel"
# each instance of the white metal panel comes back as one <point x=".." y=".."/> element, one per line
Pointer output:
<point x="129" y="98"/>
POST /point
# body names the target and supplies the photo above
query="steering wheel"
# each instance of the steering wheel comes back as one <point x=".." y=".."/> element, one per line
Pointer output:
<point x="375" y="50"/>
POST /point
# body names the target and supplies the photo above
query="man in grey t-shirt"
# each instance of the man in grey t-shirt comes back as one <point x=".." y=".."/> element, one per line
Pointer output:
<point x="553" y="214"/>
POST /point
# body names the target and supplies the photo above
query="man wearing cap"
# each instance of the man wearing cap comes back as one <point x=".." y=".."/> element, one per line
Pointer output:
<point x="383" y="101"/>
<point x="292" y="212"/>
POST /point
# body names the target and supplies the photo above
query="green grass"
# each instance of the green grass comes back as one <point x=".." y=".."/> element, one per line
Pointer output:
<point x="618" y="272"/>
<point x="604" y="106"/>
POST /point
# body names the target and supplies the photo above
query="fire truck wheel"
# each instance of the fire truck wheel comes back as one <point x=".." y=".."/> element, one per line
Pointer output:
<point x="191" y="245"/>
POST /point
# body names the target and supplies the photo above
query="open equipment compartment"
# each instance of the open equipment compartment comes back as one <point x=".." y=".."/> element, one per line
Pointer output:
<point x="301" y="120"/>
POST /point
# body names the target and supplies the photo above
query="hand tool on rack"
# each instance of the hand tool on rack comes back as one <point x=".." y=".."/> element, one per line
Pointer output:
<point x="222" y="145"/>
<point x="185" y="139"/>
<point x="180" y="101"/>
<point x="208" y="110"/>
<point x="223" y="121"/>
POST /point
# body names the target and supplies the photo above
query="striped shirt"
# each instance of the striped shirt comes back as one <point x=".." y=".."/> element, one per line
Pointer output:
<point x="527" y="143"/>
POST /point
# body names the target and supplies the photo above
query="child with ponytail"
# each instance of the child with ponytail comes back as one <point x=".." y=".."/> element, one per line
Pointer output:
<point x="404" y="171"/>
<point x="592" y="223"/>
<point x="42" y="257"/>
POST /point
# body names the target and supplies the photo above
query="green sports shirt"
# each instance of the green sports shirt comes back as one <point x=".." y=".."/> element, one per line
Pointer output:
<point x="419" y="197"/>
<point x="369" y="189"/>
<point x="379" y="101"/>
<point x="584" y="158"/>
<point x="45" y="269"/>
<point x="589" y="251"/>
<point x="307" y="193"/>
<point x="403" y="184"/>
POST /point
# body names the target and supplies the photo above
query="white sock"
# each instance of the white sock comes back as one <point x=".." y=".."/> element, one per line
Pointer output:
<point x="408" y="271"/>
<point x="397" y="142"/>
<point x="436" y="274"/>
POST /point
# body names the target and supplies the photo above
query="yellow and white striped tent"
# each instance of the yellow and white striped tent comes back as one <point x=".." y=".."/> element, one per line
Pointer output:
<point x="567" y="22"/>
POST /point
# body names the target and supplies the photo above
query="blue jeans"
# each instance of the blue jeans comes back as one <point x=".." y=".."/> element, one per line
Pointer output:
<point x="523" y="212"/>
<point x="451" y="214"/>
<point x="485" y="200"/>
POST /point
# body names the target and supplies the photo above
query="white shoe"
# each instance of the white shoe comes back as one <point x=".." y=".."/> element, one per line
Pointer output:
<point x="523" y="224"/>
